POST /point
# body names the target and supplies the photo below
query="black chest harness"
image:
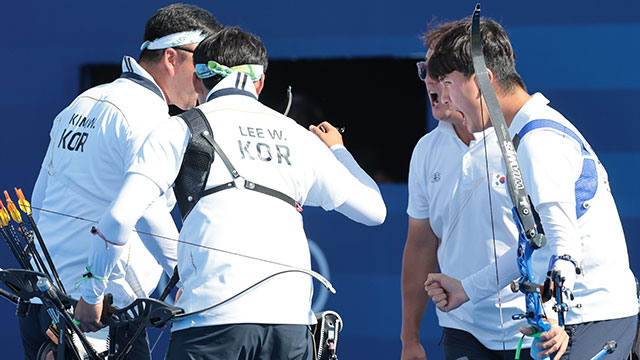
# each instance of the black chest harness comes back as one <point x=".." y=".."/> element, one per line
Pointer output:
<point x="196" y="166"/>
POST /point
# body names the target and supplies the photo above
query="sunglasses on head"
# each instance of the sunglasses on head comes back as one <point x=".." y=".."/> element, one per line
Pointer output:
<point x="422" y="70"/>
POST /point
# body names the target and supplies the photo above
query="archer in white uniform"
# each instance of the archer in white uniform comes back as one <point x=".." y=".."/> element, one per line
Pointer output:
<point x="449" y="218"/>
<point x="235" y="238"/>
<point x="569" y="189"/>
<point x="93" y="142"/>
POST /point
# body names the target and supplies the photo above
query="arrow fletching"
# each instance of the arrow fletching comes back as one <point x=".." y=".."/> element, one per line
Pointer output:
<point x="15" y="214"/>
<point x="4" y="215"/>
<point x="22" y="202"/>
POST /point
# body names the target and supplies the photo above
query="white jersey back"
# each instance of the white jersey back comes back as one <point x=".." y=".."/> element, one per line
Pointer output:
<point x="271" y="150"/>
<point x="93" y="142"/>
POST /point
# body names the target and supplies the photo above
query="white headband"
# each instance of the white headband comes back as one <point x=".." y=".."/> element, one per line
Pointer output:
<point x="171" y="40"/>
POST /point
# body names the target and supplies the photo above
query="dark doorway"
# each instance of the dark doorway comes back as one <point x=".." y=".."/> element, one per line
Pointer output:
<point x="379" y="101"/>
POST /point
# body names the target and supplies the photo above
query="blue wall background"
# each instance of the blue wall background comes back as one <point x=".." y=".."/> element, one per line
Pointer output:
<point x="583" y="58"/>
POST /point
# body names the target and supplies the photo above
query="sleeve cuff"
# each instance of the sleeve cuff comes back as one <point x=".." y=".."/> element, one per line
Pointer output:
<point x="467" y="285"/>
<point x="482" y="284"/>
<point x="93" y="290"/>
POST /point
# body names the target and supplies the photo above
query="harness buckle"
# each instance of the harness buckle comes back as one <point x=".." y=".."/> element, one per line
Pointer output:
<point x="239" y="182"/>
<point x="249" y="185"/>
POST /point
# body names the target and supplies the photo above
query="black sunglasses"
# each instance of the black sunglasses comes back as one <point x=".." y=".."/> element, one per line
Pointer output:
<point x="183" y="49"/>
<point x="422" y="70"/>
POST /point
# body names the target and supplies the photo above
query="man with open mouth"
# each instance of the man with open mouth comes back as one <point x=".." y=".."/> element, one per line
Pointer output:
<point x="569" y="190"/>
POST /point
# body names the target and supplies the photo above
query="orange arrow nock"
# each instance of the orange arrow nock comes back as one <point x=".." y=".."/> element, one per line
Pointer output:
<point x="4" y="215"/>
<point x="22" y="201"/>
<point x="15" y="214"/>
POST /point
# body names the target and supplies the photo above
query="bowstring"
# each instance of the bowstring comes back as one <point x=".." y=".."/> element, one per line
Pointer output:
<point x="493" y="231"/>
<point x="169" y="238"/>
<point x="291" y="268"/>
<point x="158" y="338"/>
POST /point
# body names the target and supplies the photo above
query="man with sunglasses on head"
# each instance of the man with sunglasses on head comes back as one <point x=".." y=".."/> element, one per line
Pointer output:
<point x="93" y="142"/>
<point x="449" y="227"/>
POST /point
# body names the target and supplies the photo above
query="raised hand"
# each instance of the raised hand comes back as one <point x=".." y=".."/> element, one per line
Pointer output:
<point x="327" y="133"/>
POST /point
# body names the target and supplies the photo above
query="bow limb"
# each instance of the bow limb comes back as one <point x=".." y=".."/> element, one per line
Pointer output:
<point x="311" y="273"/>
<point x="517" y="189"/>
<point x="529" y="238"/>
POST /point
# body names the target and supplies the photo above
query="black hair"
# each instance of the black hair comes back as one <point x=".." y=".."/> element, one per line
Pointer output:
<point x="230" y="47"/>
<point x="173" y="19"/>
<point x="453" y="53"/>
<point x="435" y="32"/>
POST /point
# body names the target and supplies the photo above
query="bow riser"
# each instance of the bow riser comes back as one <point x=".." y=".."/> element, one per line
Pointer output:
<point x="528" y="284"/>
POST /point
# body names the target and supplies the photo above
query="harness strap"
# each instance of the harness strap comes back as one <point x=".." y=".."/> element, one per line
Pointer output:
<point x="196" y="164"/>
<point x="546" y="123"/>
<point x="207" y="136"/>
<point x="587" y="184"/>
<point x="249" y="185"/>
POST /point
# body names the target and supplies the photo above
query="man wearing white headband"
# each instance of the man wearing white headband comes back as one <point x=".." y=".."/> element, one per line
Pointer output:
<point x="93" y="142"/>
<point x="243" y="246"/>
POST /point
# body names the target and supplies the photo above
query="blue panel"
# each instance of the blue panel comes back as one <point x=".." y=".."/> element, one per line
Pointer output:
<point x="624" y="171"/>
<point x="581" y="55"/>
<point x="603" y="116"/>
<point x="577" y="57"/>
<point x="632" y="233"/>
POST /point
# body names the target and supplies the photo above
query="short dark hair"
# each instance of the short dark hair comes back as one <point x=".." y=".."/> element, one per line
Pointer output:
<point x="452" y="52"/>
<point x="173" y="19"/>
<point x="435" y="32"/>
<point x="230" y="47"/>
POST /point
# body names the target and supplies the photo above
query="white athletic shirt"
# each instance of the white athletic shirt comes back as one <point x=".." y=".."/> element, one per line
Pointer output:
<point x="432" y="177"/>
<point x="93" y="142"/>
<point x="450" y="180"/>
<point x="271" y="150"/>
<point x="551" y="162"/>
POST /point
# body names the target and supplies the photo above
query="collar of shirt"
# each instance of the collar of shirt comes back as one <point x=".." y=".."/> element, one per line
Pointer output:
<point x="478" y="136"/>
<point x="448" y="129"/>
<point x="141" y="77"/>
<point x="236" y="83"/>
<point x="524" y="114"/>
